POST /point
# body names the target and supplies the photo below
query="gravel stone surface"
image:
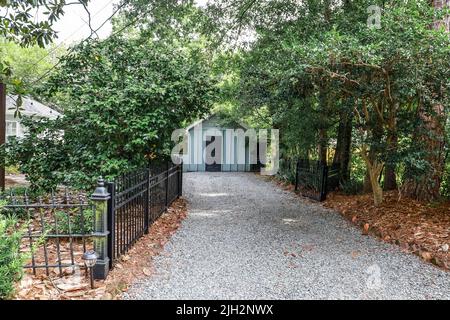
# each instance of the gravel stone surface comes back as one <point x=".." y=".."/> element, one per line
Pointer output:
<point x="245" y="238"/>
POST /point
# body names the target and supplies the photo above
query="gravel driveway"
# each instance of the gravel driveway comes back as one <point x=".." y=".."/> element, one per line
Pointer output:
<point x="245" y="238"/>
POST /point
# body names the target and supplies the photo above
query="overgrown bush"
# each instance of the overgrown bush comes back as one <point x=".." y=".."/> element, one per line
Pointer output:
<point x="74" y="221"/>
<point x="19" y="193"/>
<point x="122" y="100"/>
<point x="12" y="170"/>
<point x="287" y="170"/>
<point x="352" y="187"/>
<point x="11" y="260"/>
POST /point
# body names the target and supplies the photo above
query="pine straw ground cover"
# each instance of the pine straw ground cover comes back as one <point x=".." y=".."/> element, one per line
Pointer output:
<point x="137" y="263"/>
<point x="418" y="228"/>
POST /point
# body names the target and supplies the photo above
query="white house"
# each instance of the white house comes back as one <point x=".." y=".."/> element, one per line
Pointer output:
<point x="29" y="108"/>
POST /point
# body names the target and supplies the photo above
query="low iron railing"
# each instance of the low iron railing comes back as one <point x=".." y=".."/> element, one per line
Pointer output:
<point x="56" y="228"/>
<point x="312" y="179"/>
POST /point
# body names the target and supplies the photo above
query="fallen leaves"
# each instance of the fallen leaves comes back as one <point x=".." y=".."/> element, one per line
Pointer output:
<point x="138" y="261"/>
<point x="426" y="256"/>
<point x="366" y="229"/>
<point x="416" y="227"/>
<point x="147" y="272"/>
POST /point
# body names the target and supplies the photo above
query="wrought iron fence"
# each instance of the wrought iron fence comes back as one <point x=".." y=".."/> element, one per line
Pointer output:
<point x="333" y="177"/>
<point x="288" y="169"/>
<point x="60" y="227"/>
<point x="56" y="228"/>
<point x="137" y="199"/>
<point x="314" y="179"/>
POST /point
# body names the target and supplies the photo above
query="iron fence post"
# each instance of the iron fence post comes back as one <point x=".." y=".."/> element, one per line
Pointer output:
<point x="100" y="198"/>
<point x="2" y="130"/>
<point x="180" y="191"/>
<point x="147" y="201"/>
<point x="111" y="222"/>
<point x="167" y="183"/>
<point x="323" y="192"/>
<point x="296" y="175"/>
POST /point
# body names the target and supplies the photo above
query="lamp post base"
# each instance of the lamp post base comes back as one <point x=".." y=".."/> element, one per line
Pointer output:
<point x="101" y="269"/>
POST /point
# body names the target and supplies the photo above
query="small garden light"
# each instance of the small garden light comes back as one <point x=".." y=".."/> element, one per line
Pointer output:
<point x="90" y="259"/>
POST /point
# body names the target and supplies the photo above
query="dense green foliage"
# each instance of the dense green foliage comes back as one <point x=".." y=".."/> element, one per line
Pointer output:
<point x="26" y="65"/>
<point x="373" y="98"/>
<point x="319" y="67"/>
<point x="30" y="22"/>
<point x="11" y="261"/>
<point x="73" y="221"/>
<point x="122" y="99"/>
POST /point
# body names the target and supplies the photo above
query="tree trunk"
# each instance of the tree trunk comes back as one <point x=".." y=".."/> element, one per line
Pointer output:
<point x="374" y="169"/>
<point x="371" y="157"/>
<point x="323" y="145"/>
<point x="430" y="139"/>
<point x="390" y="178"/>
<point x="367" y="185"/>
<point x="377" y="192"/>
<point x="343" y="145"/>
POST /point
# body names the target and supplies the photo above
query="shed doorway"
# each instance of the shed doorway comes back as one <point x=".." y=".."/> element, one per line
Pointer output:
<point x="213" y="167"/>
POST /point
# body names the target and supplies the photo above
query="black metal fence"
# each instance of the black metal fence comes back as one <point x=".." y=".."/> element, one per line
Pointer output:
<point x="56" y="228"/>
<point x="333" y="177"/>
<point x="137" y="199"/>
<point x="288" y="169"/>
<point x="313" y="179"/>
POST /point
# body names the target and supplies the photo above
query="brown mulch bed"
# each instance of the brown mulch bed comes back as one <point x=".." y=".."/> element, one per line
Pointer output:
<point x="419" y="228"/>
<point x="137" y="263"/>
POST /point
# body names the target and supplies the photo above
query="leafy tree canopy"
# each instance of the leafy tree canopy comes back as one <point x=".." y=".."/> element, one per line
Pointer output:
<point x="314" y="63"/>
<point x="19" y="23"/>
<point x="122" y="100"/>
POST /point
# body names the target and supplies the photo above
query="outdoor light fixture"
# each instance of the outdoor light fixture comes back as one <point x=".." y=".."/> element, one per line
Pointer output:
<point x="90" y="259"/>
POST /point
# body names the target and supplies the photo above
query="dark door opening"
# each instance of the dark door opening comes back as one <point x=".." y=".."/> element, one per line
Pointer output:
<point x="214" y="167"/>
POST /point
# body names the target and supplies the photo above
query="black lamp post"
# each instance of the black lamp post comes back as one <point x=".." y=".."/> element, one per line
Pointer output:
<point x="90" y="259"/>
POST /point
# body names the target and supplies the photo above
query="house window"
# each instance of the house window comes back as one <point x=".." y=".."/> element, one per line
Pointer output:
<point x="11" y="128"/>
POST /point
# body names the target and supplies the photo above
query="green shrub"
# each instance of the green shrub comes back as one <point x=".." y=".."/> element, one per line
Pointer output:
<point x="352" y="187"/>
<point x="73" y="222"/>
<point x="19" y="195"/>
<point x="131" y="110"/>
<point x="11" y="261"/>
<point x="287" y="170"/>
<point x="288" y="176"/>
<point x="13" y="169"/>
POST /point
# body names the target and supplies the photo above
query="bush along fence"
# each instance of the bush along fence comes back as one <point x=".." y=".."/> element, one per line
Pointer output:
<point x="313" y="179"/>
<point x="59" y="228"/>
